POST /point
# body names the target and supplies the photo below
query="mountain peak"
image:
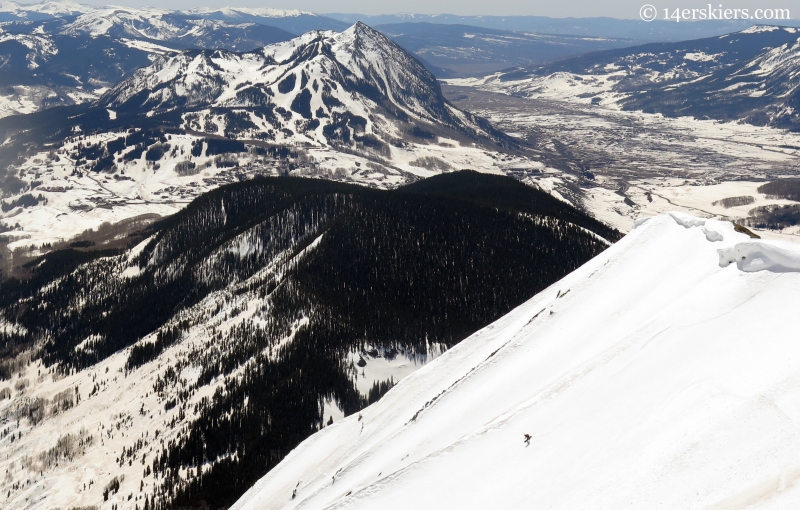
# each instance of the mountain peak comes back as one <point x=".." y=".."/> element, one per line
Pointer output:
<point x="360" y="30"/>
<point x="361" y="26"/>
<point x="326" y="87"/>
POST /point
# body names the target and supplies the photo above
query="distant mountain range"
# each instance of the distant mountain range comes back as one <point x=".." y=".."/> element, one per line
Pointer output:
<point x="299" y="22"/>
<point x="748" y="76"/>
<point x="451" y="50"/>
<point x="335" y="89"/>
<point x="13" y="11"/>
<point x="292" y="20"/>
<point x="62" y="53"/>
<point x="66" y="53"/>
<point x="71" y="60"/>
<point x="635" y="29"/>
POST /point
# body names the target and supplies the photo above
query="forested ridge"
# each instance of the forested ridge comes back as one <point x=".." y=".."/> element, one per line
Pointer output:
<point x="271" y="289"/>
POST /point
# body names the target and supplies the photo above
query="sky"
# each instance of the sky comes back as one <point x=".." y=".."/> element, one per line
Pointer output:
<point x="626" y="9"/>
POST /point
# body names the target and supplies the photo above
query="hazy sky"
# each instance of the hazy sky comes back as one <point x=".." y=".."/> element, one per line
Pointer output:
<point x="563" y="8"/>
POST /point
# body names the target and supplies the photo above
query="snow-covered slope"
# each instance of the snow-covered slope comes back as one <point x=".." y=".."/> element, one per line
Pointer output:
<point x="662" y="374"/>
<point x="41" y="70"/>
<point x="244" y="319"/>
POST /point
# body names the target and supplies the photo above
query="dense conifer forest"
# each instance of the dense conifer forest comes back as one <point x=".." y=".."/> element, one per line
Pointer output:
<point x="273" y="287"/>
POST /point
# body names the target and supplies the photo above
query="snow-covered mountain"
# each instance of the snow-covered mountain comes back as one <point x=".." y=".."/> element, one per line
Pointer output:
<point x="348" y="106"/>
<point x="291" y="20"/>
<point x="13" y="11"/>
<point x="157" y="25"/>
<point x="176" y="373"/>
<point x="73" y="60"/>
<point x="41" y="71"/>
<point x="64" y="53"/>
<point x="764" y="90"/>
<point x="662" y="374"/>
<point x="748" y="76"/>
<point x="262" y="12"/>
<point x="323" y="87"/>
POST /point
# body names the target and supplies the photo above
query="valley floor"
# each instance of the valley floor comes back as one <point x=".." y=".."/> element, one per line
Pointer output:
<point x="624" y="165"/>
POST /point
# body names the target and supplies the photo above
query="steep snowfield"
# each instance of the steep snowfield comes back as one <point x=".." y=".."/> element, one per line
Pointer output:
<point x="658" y="375"/>
<point x="67" y="431"/>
